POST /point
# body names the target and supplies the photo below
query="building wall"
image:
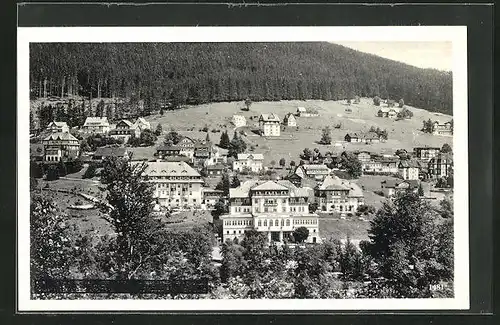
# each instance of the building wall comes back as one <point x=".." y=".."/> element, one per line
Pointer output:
<point x="254" y="165"/>
<point x="271" y="129"/>
<point x="178" y="193"/>
<point x="409" y="173"/>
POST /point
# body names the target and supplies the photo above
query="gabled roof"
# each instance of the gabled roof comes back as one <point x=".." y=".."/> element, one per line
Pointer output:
<point x="355" y="190"/>
<point x="442" y="156"/>
<point x="58" y="124"/>
<point x="269" y="186"/>
<point x="409" y="163"/>
<point x="168" y="168"/>
<point x="332" y="182"/>
<point x="353" y="135"/>
<point x="288" y="116"/>
<point x="307" y="167"/>
<point x="253" y="156"/>
<point x="93" y="121"/>
<point x="371" y="135"/>
<point x="60" y="136"/>
<point x="237" y="116"/>
<point x="269" y="117"/>
<point x="118" y="152"/>
<point x="127" y="122"/>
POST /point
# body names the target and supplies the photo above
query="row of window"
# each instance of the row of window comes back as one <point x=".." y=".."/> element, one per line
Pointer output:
<point x="242" y="209"/>
<point x="173" y="193"/>
<point x="174" y="186"/>
<point x="177" y="200"/>
<point x="248" y="222"/>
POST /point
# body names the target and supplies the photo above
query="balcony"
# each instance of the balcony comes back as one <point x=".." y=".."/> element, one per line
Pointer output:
<point x="271" y="204"/>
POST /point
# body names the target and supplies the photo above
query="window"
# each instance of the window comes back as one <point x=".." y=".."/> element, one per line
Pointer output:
<point x="276" y="223"/>
<point x="265" y="223"/>
<point x="234" y="232"/>
<point x="228" y="232"/>
<point x="283" y="209"/>
<point x="259" y="223"/>
<point x="282" y="222"/>
<point x="288" y="222"/>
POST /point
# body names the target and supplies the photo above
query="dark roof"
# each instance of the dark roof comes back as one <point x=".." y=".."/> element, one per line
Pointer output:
<point x="168" y="148"/>
<point x="110" y="152"/>
<point x="409" y="163"/>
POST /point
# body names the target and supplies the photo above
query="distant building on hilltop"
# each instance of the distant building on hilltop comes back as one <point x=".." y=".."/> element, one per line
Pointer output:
<point x="389" y="112"/>
<point x="290" y="120"/>
<point x="269" y="125"/>
<point x="442" y="129"/>
<point x="307" y="112"/>
<point x="369" y="137"/>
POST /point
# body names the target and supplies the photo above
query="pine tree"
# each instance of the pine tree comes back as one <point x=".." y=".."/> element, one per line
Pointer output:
<point x="224" y="140"/>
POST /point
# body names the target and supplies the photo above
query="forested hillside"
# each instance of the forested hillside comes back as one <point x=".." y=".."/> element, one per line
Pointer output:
<point x="193" y="73"/>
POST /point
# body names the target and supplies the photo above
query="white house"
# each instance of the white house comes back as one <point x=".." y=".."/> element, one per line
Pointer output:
<point x="290" y="120"/>
<point x="338" y="195"/>
<point x="239" y="120"/>
<point x="306" y="112"/>
<point x="409" y="169"/>
<point x="98" y="125"/>
<point x="142" y="124"/>
<point x="269" y="125"/>
<point x="58" y="127"/>
<point x="249" y="162"/>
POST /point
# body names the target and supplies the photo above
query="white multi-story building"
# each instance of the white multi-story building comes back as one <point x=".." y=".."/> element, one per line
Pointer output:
<point x="276" y="208"/>
<point x="98" y="125"/>
<point x="409" y="169"/>
<point x="269" y="125"/>
<point x="252" y="162"/>
<point x="338" y="195"/>
<point x="176" y="184"/>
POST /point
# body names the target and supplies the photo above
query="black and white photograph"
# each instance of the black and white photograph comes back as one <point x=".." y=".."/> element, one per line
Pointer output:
<point x="243" y="168"/>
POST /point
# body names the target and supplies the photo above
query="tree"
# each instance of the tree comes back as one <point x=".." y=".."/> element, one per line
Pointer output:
<point x="236" y="146"/>
<point x="300" y="234"/>
<point x="405" y="113"/>
<point x="90" y="172"/>
<point x="376" y="101"/>
<point x="161" y="111"/>
<point x="405" y="244"/>
<point x="207" y="138"/>
<point x="351" y="262"/>
<point x="306" y="154"/>
<point x="401" y="103"/>
<point x="326" y="137"/>
<point x="446" y="207"/>
<point x="172" y="137"/>
<point x="62" y="170"/>
<point x="356" y="100"/>
<point x="147" y="138"/>
<point x="235" y="182"/>
<point x="351" y="164"/>
<point x="158" y="130"/>
<point x="282" y="162"/>
<point x="224" y="140"/>
<point x="446" y="148"/>
<point x="273" y="163"/>
<point x="219" y="209"/>
<point x="313" y="206"/>
<point x="248" y="103"/>
<point x="420" y="190"/>
<point x="232" y="261"/>
<point x="224" y="184"/>
<point x="292" y="164"/>
<point x="428" y="126"/>
<point x="51" y="249"/>
<point x="52" y="173"/>
<point x="128" y="209"/>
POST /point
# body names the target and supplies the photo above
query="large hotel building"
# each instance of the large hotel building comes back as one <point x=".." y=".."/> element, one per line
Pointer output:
<point x="276" y="208"/>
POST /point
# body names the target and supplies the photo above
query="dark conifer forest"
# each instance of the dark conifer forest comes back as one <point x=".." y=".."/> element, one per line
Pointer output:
<point x="194" y="73"/>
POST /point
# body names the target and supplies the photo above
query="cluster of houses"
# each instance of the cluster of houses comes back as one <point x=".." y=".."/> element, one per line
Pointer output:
<point x="270" y="123"/>
<point x="445" y="129"/>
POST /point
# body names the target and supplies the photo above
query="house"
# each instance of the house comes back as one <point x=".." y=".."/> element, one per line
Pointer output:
<point x="107" y="152"/>
<point x="215" y="170"/>
<point x="275" y="208"/>
<point x="57" y="127"/>
<point x="141" y="124"/>
<point x="36" y="151"/>
<point x="239" y="120"/>
<point x="167" y="151"/>
<point x="409" y="169"/>
<point x="389" y="112"/>
<point x="97" y="125"/>
<point x="392" y="187"/>
<point x="306" y="112"/>
<point x="60" y="146"/>
<point x="338" y="195"/>
<point x="252" y="162"/>
<point x="426" y="153"/>
<point x="363" y="156"/>
<point x="380" y="165"/>
<point x="369" y="137"/>
<point x="269" y="125"/>
<point x="210" y="197"/>
<point x="176" y="184"/>
<point x="353" y="137"/>
<point x="289" y="120"/>
<point x="124" y="130"/>
<point x="218" y="156"/>
<point x="186" y="145"/>
<point x="440" y="166"/>
<point x="443" y="129"/>
<point x="317" y="172"/>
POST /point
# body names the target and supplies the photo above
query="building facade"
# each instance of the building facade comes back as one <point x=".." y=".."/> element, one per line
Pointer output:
<point x="440" y="166"/>
<point x="123" y="130"/>
<point x="426" y="153"/>
<point x="249" y="162"/>
<point x="176" y="184"/>
<point x="55" y="127"/>
<point x="270" y="125"/>
<point x="290" y="120"/>
<point x="60" y="146"/>
<point x="97" y="125"/>
<point x="338" y="195"/>
<point x="409" y="169"/>
<point x="442" y="129"/>
<point x="239" y="120"/>
<point x="275" y="208"/>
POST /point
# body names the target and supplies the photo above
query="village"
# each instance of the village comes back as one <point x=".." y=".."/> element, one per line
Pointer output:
<point x="248" y="171"/>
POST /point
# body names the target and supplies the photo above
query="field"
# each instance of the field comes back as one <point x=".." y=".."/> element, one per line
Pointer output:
<point x="351" y="227"/>
<point x="216" y="116"/>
